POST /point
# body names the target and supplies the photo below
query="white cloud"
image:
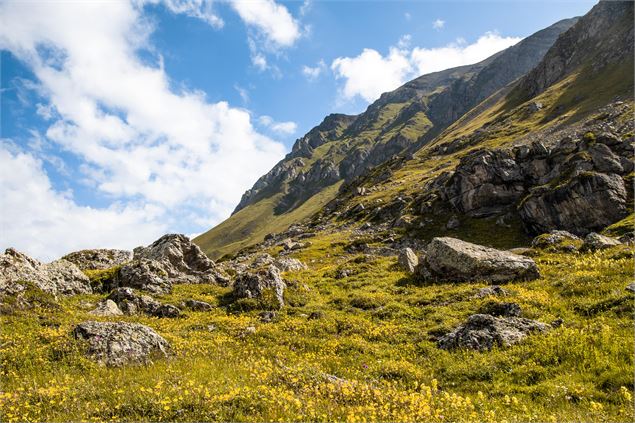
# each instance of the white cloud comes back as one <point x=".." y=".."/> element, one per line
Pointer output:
<point x="438" y="24"/>
<point x="370" y="74"/>
<point x="271" y="20"/>
<point x="201" y="9"/>
<point x="407" y="16"/>
<point x="313" y="73"/>
<point x="47" y="224"/>
<point x="285" y="128"/>
<point x="140" y="141"/>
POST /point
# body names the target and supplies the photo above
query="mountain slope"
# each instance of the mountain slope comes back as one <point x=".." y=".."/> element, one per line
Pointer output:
<point x="343" y="147"/>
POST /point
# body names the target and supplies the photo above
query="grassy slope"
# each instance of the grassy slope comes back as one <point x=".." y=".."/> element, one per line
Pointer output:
<point x="375" y="330"/>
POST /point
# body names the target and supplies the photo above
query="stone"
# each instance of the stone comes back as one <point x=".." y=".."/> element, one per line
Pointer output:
<point x="408" y="260"/>
<point x="107" y="308"/>
<point x="587" y="202"/>
<point x="500" y="309"/>
<point x="131" y="303"/>
<point x="253" y="285"/>
<point x="99" y="259"/>
<point x="450" y="259"/>
<point x="60" y="277"/>
<point x="250" y="330"/>
<point x="482" y="332"/>
<point x="116" y="344"/>
<point x="604" y="160"/>
<point x="288" y="264"/>
<point x="553" y="239"/>
<point x="494" y="290"/>
<point x="630" y="287"/>
<point x="196" y="305"/>
<point x="145" y="274"/>
<point x="267" y="316"/>
<point x="595" y="241"/>
<point x="453" y="223"/>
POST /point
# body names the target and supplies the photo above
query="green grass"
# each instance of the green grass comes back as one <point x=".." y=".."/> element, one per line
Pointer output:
<point x="374" y="329"/>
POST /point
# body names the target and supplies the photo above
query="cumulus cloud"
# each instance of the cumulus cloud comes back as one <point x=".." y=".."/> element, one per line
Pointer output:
<point x="438" y="24"/>
<point x="313" y="72"/>
<point x="201" y="9"/>
<point x="273" y="21"/>
<point x="140" y="141"/>
<point x="370" y="74"/>
<point x="284" y="128"/>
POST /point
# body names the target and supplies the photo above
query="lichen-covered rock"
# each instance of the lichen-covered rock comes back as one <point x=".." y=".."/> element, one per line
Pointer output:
<point x="182" y="260"/>
<point x="587" y="202"/>
<point x="99" y="259"/>
<point x="450" y="259"/>
<point x="408" y="260"/>
<point x="595" y="241"/>
<point x="196" y="305"/>
<point x="107" y="308"/>
<point x="494" y="290"/>
<point x="557" y="240"/>
<point x="131" y="303"/>
<point x="253" y="285"/>
<point x="147" y="275"/>
<point x="288" y="264"/>
<point x="482" y="332"/>
<point x="59" y="277"/>
<point x="117" y="344"/>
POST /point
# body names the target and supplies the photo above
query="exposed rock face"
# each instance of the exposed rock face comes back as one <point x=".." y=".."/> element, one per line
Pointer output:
<point x="144" y="274"/>
<point x="589" y="201"/>
<point x="98" y="259"/>
<point x="132" y="303"/>
<point x="450" y="259"/>
<point x="118" y="344"/>
<point x="481" y="332"/>
<point x="59" y="277"/>
<point x="183" y="260"/>
<point x="253" y="285"/>
<point x="594" y="241"/>
<point x="408" y="260"/>
<point x="107" y="308"/>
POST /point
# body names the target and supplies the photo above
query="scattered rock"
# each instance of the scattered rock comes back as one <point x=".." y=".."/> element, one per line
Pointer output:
<point x="595" y="241"/>
<point x="450" y="259"/>
<point x="250" y="330"/>
<point x="557" y="323"/>
<point x="196" y="305"/>
<point x="560" y="240"/>
<point x="408" y="260"/>
<point x="453" y="223"/>
<point x="144" y="274"/>
<point x="59" y="277"/>
<point x="631" y="287"/>
<point x="98" y="259"/>
<point x="494" y="290"/>
<point x="501" y="309"/>
<point x="131" y="303"/>
<point x="107" y="308"/>
<point x="482" y="332"/>
<point x="253" y="285"/>
<point x="286" y="264"/>
<point x="117" y="344"/>
<point x="267" y="316"/>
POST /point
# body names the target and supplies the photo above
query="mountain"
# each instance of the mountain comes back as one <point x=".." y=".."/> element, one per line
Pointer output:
<point x="344" y="147"/>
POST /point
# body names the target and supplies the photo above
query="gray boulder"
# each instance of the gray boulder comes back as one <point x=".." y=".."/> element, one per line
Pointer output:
<point x="595" y="241"/>
<point x="494" y="290"/>
<point x="116" y="344"/>
<point x="408" y="260"/>
<point x="587" y="202"/>
<point x="450" y="259"/>
<point x="147" y="275"/>
<point x="253" y="285"/>
<point x="196" y="305"/>
<point x="553" y="239"/>
<point x="107" y="308"/>
<point x="482" y="332"/>
<point x="59" y="277"/>
<point x="288" y="264"/>
<point x="132" y="303"/>
<point x="98" y="259"/>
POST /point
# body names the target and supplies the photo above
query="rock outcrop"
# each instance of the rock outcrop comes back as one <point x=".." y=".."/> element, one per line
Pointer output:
<point x="118" y="344"/>
<point x="131" y="303"/>
<point x="450" y="259"/>
<point x="144" y="274"/>
<point x="98" y="259"/>
<point x="58" y="277"/>
<point x="254" y="285"/>
<point x="482" y="332"/>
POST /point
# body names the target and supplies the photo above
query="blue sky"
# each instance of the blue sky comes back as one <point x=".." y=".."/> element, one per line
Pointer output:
<point x="124" y="120"/>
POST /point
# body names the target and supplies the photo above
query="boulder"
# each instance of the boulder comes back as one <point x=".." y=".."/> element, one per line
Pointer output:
<point x="288" y="264"/>
<point x="59" y="277"/>
<point x="450" y="259"/>
<point x="630" y="287"/>
<point x="587" y="202"/>
<point x="131" y="303"/>
<point x="500" y="309"/>
<point x="494" y="290"/>
<point x="182" y="260"/>
<point x="453" y="223"/>
<point x="554" y="239"/>
<point x="107" y="308"/>
<point x="144" y="274"/>
<point x="117" y="344"/>
<point x="408" y="260"/>
<point x="196" y="305"/>
<point x="98" y="259"/>
<point x="482" y="332"/>
<point x="595" y="241"/>
<point x="253" y="285"/>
